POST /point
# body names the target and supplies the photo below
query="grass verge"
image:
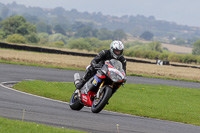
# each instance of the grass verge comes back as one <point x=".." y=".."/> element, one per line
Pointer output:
<point x="16" y="126"/>
<point x="155" y="101"/>
<point x="160" y="77"/>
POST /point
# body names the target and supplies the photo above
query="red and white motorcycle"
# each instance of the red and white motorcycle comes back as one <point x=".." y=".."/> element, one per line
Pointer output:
<point x="113" y="77"/>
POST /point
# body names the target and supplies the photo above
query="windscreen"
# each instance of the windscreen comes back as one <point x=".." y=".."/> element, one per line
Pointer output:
<point x="117" y="64"/>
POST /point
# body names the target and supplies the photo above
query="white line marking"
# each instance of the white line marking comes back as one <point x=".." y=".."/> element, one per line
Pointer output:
<point x="1" y="84"/>
<point x="49" y="98"/>
<point x="27" y="93"/>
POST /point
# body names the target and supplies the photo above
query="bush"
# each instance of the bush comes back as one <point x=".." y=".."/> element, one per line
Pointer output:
<point x="198" y="59"/>
<point x="89" y="44"/>
<point x="101" y="48"/>
<point x="16" y="38"/>
<point x="32" y="38"/>
<point x="79" y="44"/>
<point x="155" y="46"/>
<point x="182" y="58"/>
<point x="163" y="56"/>
<point x="138" y="53"/>
<point x="2" y="35"/>
<point x="43" y="37"/>
<point x="129" y="52"/>
<point x="175" y="58"/>
<point x="196" y="48"/>
<point x="59" y="43"/>
<point x="57" y="37"/>
<point x="153" y="54"/>
<point x="189" y="58"/>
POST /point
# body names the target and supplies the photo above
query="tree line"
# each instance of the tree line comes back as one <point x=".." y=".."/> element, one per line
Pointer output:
<point x="17" y="26"/>
<point x="16" y="29"/>
<point x="58" y="18"/>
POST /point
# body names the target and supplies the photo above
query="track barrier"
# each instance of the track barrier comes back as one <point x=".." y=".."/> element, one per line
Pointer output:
<point x="55" y="51"/>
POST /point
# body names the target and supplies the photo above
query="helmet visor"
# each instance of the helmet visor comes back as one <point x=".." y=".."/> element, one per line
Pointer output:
<point x="117" y="52"/>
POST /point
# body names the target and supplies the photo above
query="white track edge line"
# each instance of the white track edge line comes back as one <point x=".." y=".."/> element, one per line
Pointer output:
<point x="27" y="93"/>
<point x="1" y="84"/>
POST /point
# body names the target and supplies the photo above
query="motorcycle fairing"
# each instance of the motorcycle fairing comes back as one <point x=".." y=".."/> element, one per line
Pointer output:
<point x="97" y="80"/>
<point x="114" y="71"/>
<point x="86" y="99"/>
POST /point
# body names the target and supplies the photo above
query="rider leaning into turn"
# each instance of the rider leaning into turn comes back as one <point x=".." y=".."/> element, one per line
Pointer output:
<point x="115" y="52"/>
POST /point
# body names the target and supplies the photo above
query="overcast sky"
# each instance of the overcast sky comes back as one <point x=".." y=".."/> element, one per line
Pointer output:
<point x="185" y="12"/>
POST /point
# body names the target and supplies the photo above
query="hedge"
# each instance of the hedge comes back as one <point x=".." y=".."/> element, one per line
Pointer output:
<point x="172" y="57"/>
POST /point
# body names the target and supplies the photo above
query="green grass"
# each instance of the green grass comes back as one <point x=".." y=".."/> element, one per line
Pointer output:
<point x="155" y="101"/>
<point x="160" y="77"/>
<point x="16" y="126"/>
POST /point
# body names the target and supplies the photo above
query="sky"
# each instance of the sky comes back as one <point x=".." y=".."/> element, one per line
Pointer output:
<point x="183" y="12"/>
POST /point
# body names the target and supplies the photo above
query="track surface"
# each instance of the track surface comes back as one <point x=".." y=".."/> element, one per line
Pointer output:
<point x="55" y="113"/>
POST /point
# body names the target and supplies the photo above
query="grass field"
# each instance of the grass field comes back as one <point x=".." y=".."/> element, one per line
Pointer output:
<point x="77" y="62"/>
<point x="155" y="101"/>
<point x="170" y="47"/>
<point x="162" y="102"/>
<point x="16" y="126"/>
<point x="177" y="48"/>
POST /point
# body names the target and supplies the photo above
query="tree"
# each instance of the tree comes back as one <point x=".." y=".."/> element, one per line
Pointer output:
<point x="179" y="41"/>
<point x="43" y="27"/>
<point x="26" y="28"/>
<point x="30" y="18"/>
<point x="86" y="31"/>
<point x="59" y="29"/>
<point x="77" y="25"/>
<point x="32" y="38"/>
<point x="147" y="35"/>
<point x="119" y="35"/>
<point x="2" y="34"/>
<point x="58" y="11"/>
<point x="104" y="34"/>
<point x="10" y="25"/>
<point x="155" y="46"/>
<point x="196" y="48"/>
<point x="17" y="25"/>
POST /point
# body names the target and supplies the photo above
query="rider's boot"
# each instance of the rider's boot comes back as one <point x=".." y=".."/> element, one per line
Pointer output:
<point x="88" y="74"/>
<point x="80" y="84"/>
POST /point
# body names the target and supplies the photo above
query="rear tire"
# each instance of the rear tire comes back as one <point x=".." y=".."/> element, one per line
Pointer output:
<point x="75" y="103"/>
<point x="99" y="104"/>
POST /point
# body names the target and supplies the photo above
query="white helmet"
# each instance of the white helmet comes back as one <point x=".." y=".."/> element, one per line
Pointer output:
<point x="116" y="49"/>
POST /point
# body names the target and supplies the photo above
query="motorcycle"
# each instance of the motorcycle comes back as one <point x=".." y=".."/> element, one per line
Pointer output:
<point x="113" y="77"/>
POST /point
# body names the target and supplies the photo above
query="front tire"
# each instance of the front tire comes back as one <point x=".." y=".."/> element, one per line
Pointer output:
<point x="74" y="102"/>
<point x="99" y="104"/>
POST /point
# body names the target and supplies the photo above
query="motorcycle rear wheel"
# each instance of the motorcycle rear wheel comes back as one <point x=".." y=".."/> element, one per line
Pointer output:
<point x="75" y="104"/>
<point x="99" y="104"/>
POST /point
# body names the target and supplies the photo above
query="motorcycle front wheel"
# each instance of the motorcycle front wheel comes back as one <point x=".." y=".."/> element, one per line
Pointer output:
<point x="75" y="104"/>
<point x="99" y="104"/>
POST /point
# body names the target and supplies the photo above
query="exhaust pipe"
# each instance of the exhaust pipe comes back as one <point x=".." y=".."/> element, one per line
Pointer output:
<point x="76" y="78"/>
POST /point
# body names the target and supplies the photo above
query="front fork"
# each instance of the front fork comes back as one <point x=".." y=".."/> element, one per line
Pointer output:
<point x="100" y="89"/>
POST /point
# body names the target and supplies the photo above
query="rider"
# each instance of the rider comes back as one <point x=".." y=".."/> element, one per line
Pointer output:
<point x="115" y="52"/>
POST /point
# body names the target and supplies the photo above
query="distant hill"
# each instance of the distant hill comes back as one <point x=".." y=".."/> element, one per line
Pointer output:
<point x="134" y="25"/>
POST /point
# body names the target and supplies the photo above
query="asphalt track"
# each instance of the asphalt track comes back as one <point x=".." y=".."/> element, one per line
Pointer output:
<point x="56" y="113"/>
